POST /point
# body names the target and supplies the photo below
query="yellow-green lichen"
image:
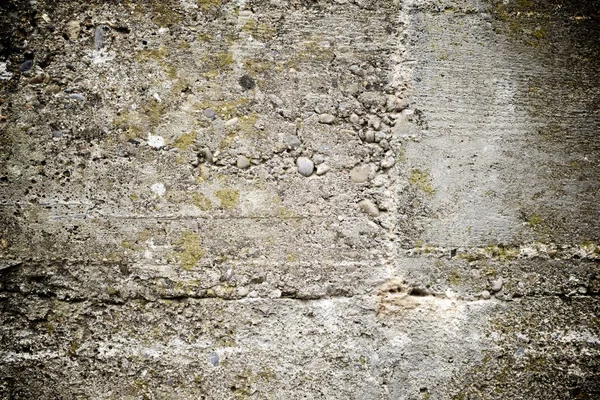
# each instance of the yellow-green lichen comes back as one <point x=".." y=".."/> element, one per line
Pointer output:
<point x="261" y="31"/>
<point x="130" y="123"/>
<point x="503" y="253"/>
<point x="311" y="51"/>
<point x="422" y="180"/>
<point x="454" y="277"/>
<point x="214" y="64"/>
<point x="247" y="123"/>
<point x="208" y="5"/>
<point x="229" y="198"/>
<point x="127" y="245"/>
<point x="184" y="141"/>
<point x="189" y="251"/>
<point x="201" y="201"/>
<point x="258" y="65"/>
<point x="204" y="175"/>
<point x="535" y="221"/>
<point x="286" y="213"/>
<point x="226" y="109"/>
<point x="157" y="54"/>
<point x="164" y="14"/>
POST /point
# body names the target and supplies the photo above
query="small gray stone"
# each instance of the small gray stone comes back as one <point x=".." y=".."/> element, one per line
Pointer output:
<point x="326" y="118"/>
<point x="387" y="163"/>
<point x="305" y="166"/>
<point x="485" y="295"/>
<point x="210" y="113"/>
<point x="361" y="173"/>
<point x="73" y="30"/>
<point x="322" y="169"/>
<point x="213" y="359"/>
<point x="77" y="96"/>
<point x="276" y="101"/>
<point x="497" y="285"/>
<point x="369" y="136"/>
<point x="205" y="155"/>
<point x="356" y="70"/>
<point x="292" y="142"/>
<point x="26" y="66"/>
<point x="374" y="122"/>
<point x="98" y="37"/>
<point x="371" y="99"/>
<point x="368" y="207"/>
<point x="318" y="159"/>
<point x="243" y="162"/>
<point x="355" y="119"/>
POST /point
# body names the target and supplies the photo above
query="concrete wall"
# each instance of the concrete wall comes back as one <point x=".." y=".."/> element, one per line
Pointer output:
<point x="299" y="200"/>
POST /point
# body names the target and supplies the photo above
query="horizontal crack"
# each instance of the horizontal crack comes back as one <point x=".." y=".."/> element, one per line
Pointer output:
<point x="587" y="252"/>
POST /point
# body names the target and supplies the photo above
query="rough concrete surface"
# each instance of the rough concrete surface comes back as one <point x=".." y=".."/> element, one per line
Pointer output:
<point x="310" y="199"/>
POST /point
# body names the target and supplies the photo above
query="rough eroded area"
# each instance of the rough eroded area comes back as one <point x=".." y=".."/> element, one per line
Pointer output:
<point x="367" y="199"/>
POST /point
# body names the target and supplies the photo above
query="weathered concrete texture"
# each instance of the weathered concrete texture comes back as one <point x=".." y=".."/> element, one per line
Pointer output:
<point x="299" y="200"/>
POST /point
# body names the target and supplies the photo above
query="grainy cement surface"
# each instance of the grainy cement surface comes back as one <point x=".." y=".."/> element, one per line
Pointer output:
<point x="342" y="199"/>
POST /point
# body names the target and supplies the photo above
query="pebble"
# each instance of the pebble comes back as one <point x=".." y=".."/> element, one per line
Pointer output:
<point x="326" y="118"/>
<point x="98" y="37"/>
<point x="206" y="155"/>
<point x="77" y="96"/>
<point x="243" y="291"/>
<point x="322" y="169"/>
<point x="243" y="162"/>
<point x="379" y="180"/>
<point x="26" y="66"/>
<point x="305" y="166"/>
<point x="73" y="30"/>
<point x="276" y="101"/>
<point x="497" y="285"/>
<point x="292" y="142"/>
<point x="318" y="159"/>
<point x="213" y="359"/>
<point x="387" y="163"/>
<point x="232" y="121"/>
<point x="375" y="122"/>
<point x="156" y="141"/>
<point x="369" y="136"/>
<point x="36" y="79"/>
<point x="485" y="295"/>
<point x="356" y="70"/>
<point x="53" y="89"/>
<point x="159" y="189"/>
<point x="361" y="173"/>
<point x="368" y="207"/>
<point x="210" y="113"/>
<point x="355" y="119"/>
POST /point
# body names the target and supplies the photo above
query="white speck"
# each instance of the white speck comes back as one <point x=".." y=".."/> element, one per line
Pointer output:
<point x="159" y="189"/>
<point x="4" y="74"/>
<point x="162" y="31"/>
<point x="101" y="56"/>
<point x="156" y="141"/>
<point x="157" y="97"/>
